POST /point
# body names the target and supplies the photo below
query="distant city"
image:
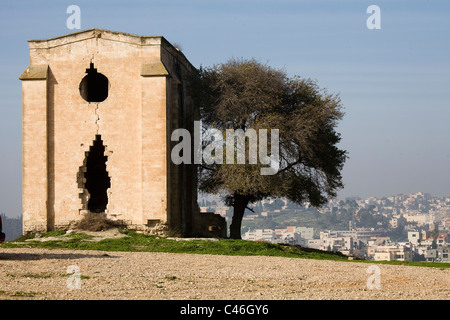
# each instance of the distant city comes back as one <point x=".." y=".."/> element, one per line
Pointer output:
<point x="405" y="227"/>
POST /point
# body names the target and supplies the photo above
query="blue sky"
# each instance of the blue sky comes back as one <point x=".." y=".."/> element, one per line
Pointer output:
<point x="394" y="82"/>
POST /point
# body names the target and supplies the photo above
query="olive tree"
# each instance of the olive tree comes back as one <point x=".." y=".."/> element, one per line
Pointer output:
<point x="247" y="95"/>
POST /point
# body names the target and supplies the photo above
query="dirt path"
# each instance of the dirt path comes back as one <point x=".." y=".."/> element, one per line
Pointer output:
<point x="91" y="275"/>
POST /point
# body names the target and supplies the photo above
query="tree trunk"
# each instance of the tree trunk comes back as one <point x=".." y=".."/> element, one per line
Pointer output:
<point x="240" y="203"/>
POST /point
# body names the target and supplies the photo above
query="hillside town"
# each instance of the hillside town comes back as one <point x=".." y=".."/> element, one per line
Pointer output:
<point x="406" y="227"/>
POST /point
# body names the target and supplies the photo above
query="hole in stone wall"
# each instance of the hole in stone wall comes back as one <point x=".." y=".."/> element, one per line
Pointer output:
<point x="97" y="179"/>
<point x="94" y="86"/>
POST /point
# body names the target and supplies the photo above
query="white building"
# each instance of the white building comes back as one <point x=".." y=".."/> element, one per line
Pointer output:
<point x="332" y="242"/>
<point x="414" y="237"/>
<point x="260" y="235"/>
<point x="389" y="253"/>
<point x="291" y="235"/>
<point x="305" y="233"/>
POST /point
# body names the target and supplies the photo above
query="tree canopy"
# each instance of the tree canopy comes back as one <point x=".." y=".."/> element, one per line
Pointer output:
<point x="246" y="94"/>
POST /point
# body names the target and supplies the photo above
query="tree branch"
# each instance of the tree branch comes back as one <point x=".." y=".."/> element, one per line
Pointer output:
<point x="251" y="209"/>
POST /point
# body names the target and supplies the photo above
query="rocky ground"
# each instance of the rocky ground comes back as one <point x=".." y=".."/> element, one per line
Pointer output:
<point x="92" y="275"/>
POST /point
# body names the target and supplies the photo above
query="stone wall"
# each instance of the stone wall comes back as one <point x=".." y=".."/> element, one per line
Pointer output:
<point x="146" y="101"/>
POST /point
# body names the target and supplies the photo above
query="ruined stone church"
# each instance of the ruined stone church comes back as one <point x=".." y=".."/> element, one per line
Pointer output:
<point x="99" y="108"/>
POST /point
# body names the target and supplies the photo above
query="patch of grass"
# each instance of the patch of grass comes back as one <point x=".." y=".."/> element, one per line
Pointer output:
<point x="19" y="293"/>
<point x="82" y="277"/>
<point x="56" y="233"/>
<point x="36" y="275"/>
<point x="79" y="236"/>
<point x="136" y="242"/>
<point x="24" y="294"/>
<point x="30" y="275"/>
<point x="139" y="242"/>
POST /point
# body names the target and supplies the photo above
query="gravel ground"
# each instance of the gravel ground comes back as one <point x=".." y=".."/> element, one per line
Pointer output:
<point x="52" y="274"/>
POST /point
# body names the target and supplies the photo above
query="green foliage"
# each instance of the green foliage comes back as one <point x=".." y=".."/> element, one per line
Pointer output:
<point x="56" y="233"/>
<point x="245" y="94"/>
<point x="136" y="242"/>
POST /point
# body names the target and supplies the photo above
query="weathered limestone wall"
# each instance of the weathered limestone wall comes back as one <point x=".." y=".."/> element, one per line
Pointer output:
<point x="135" y="123"/>
<point x="34" y="153"/>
